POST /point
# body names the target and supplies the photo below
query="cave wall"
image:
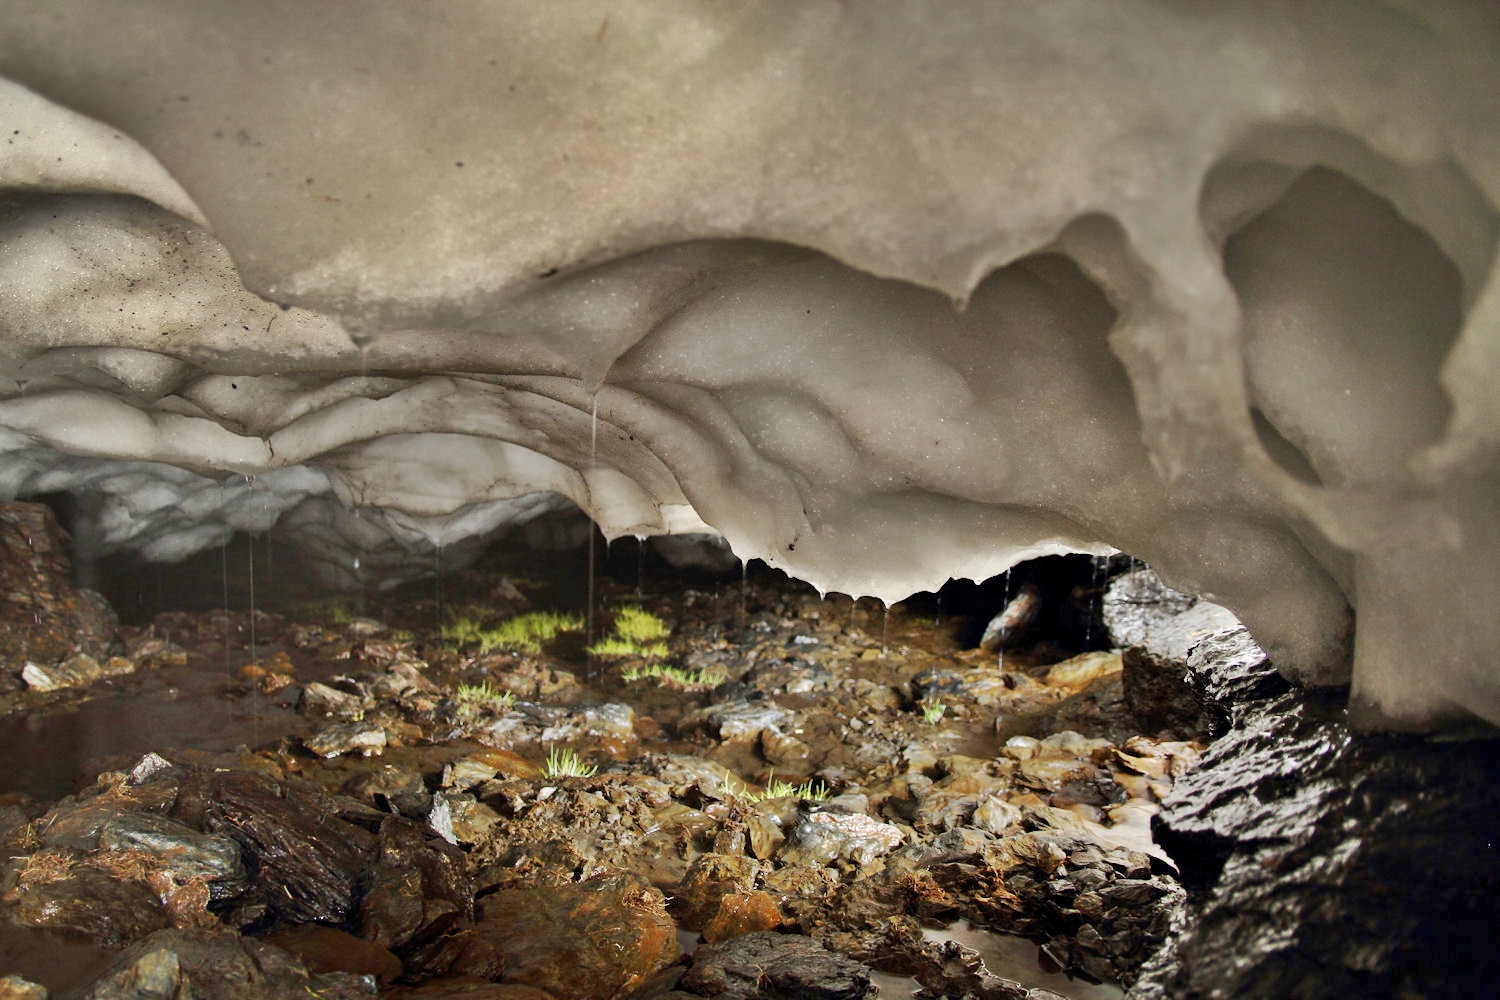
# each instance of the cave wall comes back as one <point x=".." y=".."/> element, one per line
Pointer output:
<point x="883" y="293"/>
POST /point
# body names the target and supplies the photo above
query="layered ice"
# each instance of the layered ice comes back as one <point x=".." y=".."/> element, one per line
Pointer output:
<point x="881" y="293"/>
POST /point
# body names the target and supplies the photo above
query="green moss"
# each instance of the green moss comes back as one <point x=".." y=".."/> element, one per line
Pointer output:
<point x="635" y="624"/>
<point x="521" y="634"/>
<point x="636" y="632"/>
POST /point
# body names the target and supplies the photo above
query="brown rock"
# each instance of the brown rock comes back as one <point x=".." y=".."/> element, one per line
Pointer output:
<point x="594" y="939"/>
<point x="43" y="617"/>
<point x="327" y="949"/>
<point x="468" y="989"/>
<point x="742" y="913"/>
<point x="111" y="911"/>
<point x="709" y="879"/>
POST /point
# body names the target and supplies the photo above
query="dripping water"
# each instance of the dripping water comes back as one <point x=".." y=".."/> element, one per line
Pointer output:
<point x="593" y="458"/>
<point x="251" y="549"/>
<point x="1004" y="603"/>
<point x="885" y="627"/>
<point x="437" y="573"/>
<point x="744" y="587"/>
<point x="640" y="566"/>
<point x="224" y="560"/>
<point x="1095" y="598"/>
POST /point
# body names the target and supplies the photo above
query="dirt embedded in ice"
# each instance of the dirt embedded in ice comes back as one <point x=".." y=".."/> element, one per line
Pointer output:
<point x="815" y="767"/>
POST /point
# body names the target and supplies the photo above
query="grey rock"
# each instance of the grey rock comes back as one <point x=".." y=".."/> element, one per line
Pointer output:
<point x="1137" y="603"/>
<point x="1154" y="678"/>
<point x="206" y="965"/>
<point x="825" y="837"/>
<point x="364" y="738"/>
<point x="770" y="966"/>
<point x="182" y="851"/>
<point x="1325" y="861"/>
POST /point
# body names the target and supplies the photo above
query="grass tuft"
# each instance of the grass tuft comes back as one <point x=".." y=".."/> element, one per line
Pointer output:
<point x="483" y="695"/>
<point x="566" y="763"/>
<point x="810" y="790"/>
<point x="675" y="677"/>
<point x="932" y="711"/>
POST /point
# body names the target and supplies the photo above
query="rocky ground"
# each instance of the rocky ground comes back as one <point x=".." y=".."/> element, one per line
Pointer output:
<point x="772" y="794"/>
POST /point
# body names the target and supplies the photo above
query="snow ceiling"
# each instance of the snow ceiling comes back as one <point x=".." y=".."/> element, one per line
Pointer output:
<point x="883" y="293"/>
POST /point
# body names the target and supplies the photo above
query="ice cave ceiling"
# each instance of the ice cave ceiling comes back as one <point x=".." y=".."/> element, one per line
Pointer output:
<point x="883" y="293"/>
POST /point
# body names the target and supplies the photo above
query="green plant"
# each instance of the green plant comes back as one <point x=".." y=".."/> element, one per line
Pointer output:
<point x="675" y="677"/>
<point x="521" y="634"/>
<point x="565" y="763"/>
<point x="636" y="632"/>
<point x="635" y="624"/>
<point x="812" y="791"/>
<point x="932" y="711"/>
<point x="483" y="695"/>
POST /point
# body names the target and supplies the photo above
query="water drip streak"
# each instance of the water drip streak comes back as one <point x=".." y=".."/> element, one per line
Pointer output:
<point x="224" y="560"/>
<point x="885" y="627"/>
<point x="593" y="460"/>
<point x="251" y="549"/>
<point x="1094" y="585"/>
<point x="437" y="570"/>
<point x="640" y="566"/>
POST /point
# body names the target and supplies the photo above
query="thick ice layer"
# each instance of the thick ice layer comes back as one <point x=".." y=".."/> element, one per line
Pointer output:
<point x="1225" y="273"/>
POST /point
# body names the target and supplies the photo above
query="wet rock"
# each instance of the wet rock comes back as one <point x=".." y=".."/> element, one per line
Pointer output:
<point x="765" y="832"/>
<point x="949" y="969"/>
<point x="391" y="787"/>
<point x="784" y="751"/>
<point x="419" y="889"/>
<point x="54" y="892"/>
<point x="328" y="949"/>
<point x="1136" y="604"/>
<point x="43" y="618"/>
<point x="18" y="988"/>
<point x="78" y="670"/>
<point x="1156" y="688"/>
<point x="183" y="853"/>
<point x="792" y="676"/>
<point x="207" y="965"/>
<point x="460" y="818"/>
<point x="742" y="913"/>
<point x="367" y="739"/>
<point x="741" y="720"/>
<point x="708" y="879"/>
<point x="1014" y="621"/>
<point x="1326" y="862"/>
<point x="1029" y="884"/>
<point x="307" y="861"/>
<point x="1084" y="670"/>
<point x="595" y="939"/>
<point x="319" y="700"/>
<point x="770" y="966"/>
<point x="825" y="837"/>
<point x="468" y="989"/>
<point x="994" y="815"/>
